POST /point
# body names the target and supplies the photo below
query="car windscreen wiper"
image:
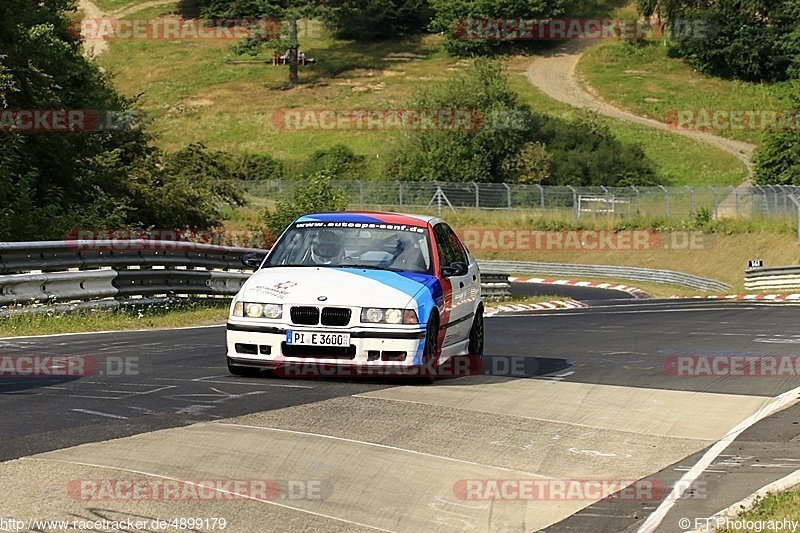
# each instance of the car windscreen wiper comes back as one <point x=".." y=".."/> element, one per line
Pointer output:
<point x="370" y="267"/>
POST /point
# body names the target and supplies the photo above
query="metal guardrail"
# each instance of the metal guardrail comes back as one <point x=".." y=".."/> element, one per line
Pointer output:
<point x="606" y="271"/>
<point x="67" y="275"/>
<point x="55" y="272"/>
<point x="775" y="278"/>
<point x="495" y="286"/>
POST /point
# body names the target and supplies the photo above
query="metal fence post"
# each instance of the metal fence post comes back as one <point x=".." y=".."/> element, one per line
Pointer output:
<point x="666" y="201"/>
<point x="716" y="204"/>
<point x="361" y="193"/>
<point x="691" y="200"/>
<point x="797" y="207"/>
<point x="575" y="212"/>
<point x="541" y="196"/>
<point x="508" y="195"/>
<point x="400" y="192"/>
<point x="638" y="204"/>
<point x="477" y="197"/>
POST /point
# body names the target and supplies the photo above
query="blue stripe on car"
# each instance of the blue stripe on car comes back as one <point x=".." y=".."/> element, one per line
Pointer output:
<point x="426" y="290"/>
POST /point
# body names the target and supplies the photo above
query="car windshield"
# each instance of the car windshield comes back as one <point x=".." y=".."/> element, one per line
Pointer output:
<point x="346" y="244"/>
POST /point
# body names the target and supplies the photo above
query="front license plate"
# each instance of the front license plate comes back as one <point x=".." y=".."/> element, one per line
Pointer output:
<point x="317" y="338"/>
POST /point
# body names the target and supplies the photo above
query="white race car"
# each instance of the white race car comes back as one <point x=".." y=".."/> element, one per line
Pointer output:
<point x="359" y="291"/>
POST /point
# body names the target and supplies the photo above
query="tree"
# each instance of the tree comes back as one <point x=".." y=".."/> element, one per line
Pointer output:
<point x="371" y="20"/>
<point x="777" y="158"/>
<point x="54" y="182"/>
<point x="288" y="11"/>
<point x="313" y="194"/>
<point x="752" y="40"/>
<point x="507" y="142"/>
<point x="450" y="17"/>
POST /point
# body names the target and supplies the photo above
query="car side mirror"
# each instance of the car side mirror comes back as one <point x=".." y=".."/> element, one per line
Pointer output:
<point x="252" y="259"/>
<point x="456" y="268"/>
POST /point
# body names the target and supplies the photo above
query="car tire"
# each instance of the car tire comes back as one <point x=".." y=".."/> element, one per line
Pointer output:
<point x="244" y="371"/>
<point x="476" y="335"/>
<point x="430" y="354"/>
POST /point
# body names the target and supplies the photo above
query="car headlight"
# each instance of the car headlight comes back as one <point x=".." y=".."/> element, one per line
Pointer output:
<point x="377" y="315"/>
<point x="254" y="310"/>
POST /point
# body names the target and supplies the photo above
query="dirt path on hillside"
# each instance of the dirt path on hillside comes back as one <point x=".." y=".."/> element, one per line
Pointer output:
<point x="554" y="74"/>
<point x="95" y="47"/>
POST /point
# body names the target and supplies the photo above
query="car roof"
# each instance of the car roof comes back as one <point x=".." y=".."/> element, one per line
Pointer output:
<point x="378" y="217"/>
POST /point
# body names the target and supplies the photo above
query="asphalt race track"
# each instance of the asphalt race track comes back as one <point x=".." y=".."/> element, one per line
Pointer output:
<point x="563" y="397"/>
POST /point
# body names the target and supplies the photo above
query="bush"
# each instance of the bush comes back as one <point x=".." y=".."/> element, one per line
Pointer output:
<point x="450" y="16"/>
<point x="181" y="190"/>
<point x="372" y="20"/>
<point x="315" y="193"/>
<point x="513" y="144"/>
<point x="777" y="159"/>
<point x="251" y="167"/>
<point x="339" y="161"/>
<point x="749" y="40"/>
<point x="474" y="153"/>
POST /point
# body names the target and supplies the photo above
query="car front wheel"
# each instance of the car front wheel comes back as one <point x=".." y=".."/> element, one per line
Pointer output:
<point x="430" y="355"/>
<point x="476" y="334"/>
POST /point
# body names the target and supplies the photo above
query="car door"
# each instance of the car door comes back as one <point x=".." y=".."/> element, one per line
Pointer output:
<point x="458" y="308"/>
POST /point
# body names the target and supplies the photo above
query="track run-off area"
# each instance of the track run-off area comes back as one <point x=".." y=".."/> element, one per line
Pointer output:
<point x="566" y="400"/>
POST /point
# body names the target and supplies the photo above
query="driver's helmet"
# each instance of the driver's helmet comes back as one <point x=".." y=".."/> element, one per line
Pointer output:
<point x="326" y="247"/>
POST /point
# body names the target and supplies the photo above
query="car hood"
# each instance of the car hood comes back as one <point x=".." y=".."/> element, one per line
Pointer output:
<point x="351" y="287"/>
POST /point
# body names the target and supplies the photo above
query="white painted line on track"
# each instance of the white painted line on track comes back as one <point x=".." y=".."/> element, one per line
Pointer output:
<point x="284" y="385"/>
<point x="200" y="485"/>
<point x="98" y="413"/>
<point x="776" y="404"/>
<point x="384" y="446"/>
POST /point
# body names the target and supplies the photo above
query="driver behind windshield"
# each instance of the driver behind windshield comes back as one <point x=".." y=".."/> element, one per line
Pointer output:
<point x="327" y="248"/>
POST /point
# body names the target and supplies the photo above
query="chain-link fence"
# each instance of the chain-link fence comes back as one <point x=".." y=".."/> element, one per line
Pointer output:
<point x="779" y="201"/>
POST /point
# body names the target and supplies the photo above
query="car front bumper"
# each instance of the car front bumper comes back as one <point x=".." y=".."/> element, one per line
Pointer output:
<point x="263" y="345"/>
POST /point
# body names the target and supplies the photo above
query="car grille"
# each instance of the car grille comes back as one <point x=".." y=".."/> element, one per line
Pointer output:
<point x="335" y="316"/>
<point x="305" y="315"/>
